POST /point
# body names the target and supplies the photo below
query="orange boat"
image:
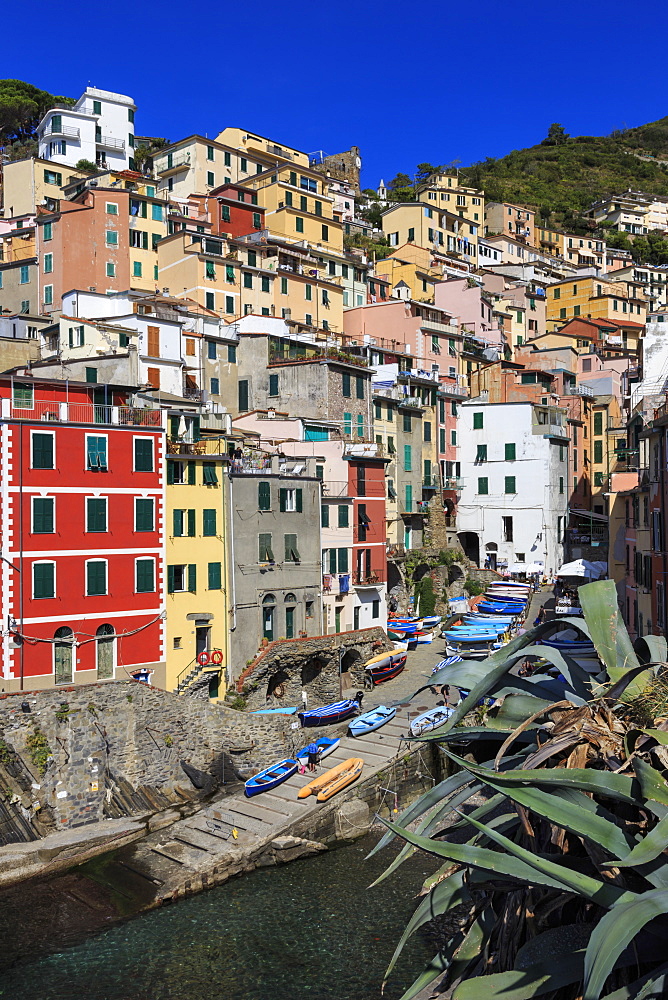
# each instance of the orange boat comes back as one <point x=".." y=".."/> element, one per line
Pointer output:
<point x="351" y="770"/>
<point x="324" y="779"/>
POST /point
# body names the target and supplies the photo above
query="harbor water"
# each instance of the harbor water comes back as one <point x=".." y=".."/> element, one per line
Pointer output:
<point x="309" y="930"/>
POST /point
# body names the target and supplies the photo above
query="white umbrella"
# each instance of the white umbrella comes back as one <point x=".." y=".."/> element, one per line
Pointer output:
<point x="582" y="568"/>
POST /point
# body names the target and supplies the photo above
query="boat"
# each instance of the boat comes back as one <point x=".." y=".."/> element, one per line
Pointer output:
<point x="325" y="745"/>
<point x="430" y="621"/>
<point x="402" y="646"/>
<point x="336" y="712"/>
<point x="385" y="668"/>
<point x="374" y="719"/>
<point x="432" y="719"/>
<point x="322" y="780"/>
<point x="275" y="711"/>
<point x="271" y="777"/>
<point x="425" y="637"/>
<point x="343" y="779"/>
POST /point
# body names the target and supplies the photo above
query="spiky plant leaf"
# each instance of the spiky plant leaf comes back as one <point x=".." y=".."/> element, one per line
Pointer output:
<point x="649" y="848"/>
<point x="614" y="932"/>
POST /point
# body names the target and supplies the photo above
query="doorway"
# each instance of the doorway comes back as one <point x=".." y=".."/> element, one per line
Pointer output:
<point x="202" y="638"/>
<point x="105" y="652"/>
<point x="62" y="654"/>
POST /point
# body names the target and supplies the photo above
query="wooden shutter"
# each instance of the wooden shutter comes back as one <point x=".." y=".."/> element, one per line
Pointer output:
<point x="264" y="496"/>
<point x="191" y="524"/>
<point x="170" y="579"/>
<point x="332" y="561"/>
<point x="300" y="502"/>
<point x="343" y="516"/>
<point x="343" y="560"/>
<point x="42" y="451"/>
<point x="178" y="523"/>
<point x="283" y="499"/>
<point x="191" y="473"/>
<point x="192" y="578"/>
<point x="153" y="334"/>
<point x="144" y="515"/>
<point x="170" y="473"/>
<point x="145" y="576"/>
<point x="209" y="523"/>
<point x="153" y="377"/>
<point x="214" y="576"/>
<point x="324" y="516"/>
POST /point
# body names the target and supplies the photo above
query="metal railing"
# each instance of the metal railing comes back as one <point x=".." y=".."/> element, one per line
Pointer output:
<point x="67" y="130"/>
<point x="366" y="579"/>
<point x="55" y="411"/>
<point x="180" y="160"/>
<point x="109" y="142"/>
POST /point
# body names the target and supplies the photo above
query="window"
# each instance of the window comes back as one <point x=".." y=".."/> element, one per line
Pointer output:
<point x="143" y="454"/>
<point x="209" y="523"/>
<point x="299" y="225"/>
<point x="324" y="516"/>
<point x="176" y="579"/>
<point x="561" y="484"/>
<point x="264" y="496"/>
<point x="214" y="386"/>
<point x="136" y="269"/>
<point x="24" y="275"/>
<point x="42" y="450"/>
<point x="325" y="233"/>
<point x="407" y="423"/>
<point x="478" y="419"/>
<point x="510" y="453"/>
<point x="408" y="458"/>
<point x="347" y="424"/>
<point x="426" y="431"/>
<point x="144" y="514"/>
<point x="343" y="513"/>
<point x="507" y="529"/>
<point x="359" y="387"/>
<point x="48" y="263"/>
<point x="96" y="577"/>
<point x="481" y="453"/>
<point x="290" y="500"/>
<point x="229" y="303"/>
<point x="483" y="486"/>
<point x="453" y="437"/>
<point x="264" y="282"/>
<point x="557" y="293"/>
<point x="96" y="514"/>
<point x="23" y="397"/>
<point x="210" y="155"/>
<point x="509" y="485"/>
<point x="111" y="237"/>
<point x="598" y="422"/>
<point x="408" y="498"/>
<point x="43" y="580"/>
<point x="562" y="313"/>
<point x="53" y="177"/>
<point x="248" y="280"/>
<point x="265" y="553"/>
<point x="96" y="452"/>
<point x="210" y="300"/>
<point x="210" y="178"/>
<point x="243" y="395"/>
<point x="43" y="509"/>
<point x="291" y="550"/>
<point x="111" y="269"/>
<point x="345" y="385"/>
<point x="225" y="214"/>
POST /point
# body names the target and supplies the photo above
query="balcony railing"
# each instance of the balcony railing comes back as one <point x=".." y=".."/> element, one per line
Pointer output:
<point x="453" y="484"/>
<point x="109" y="142"/>
<point x="205" y="446"/>
<point x="67" y="130"/>
<point x="396" y="551"/>
<point x="177" y="161"/>
<point x="54" y="411"/>
<point x="366" y="579"/>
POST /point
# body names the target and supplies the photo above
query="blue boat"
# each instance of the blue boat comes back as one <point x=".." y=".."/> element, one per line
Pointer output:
<point x="374" y="719"/>
<point x="271" y="777"/>
<point x="325" y="745"/>
<point x="275" y="711"/>
<point x="432" y="719"/>
<point x="328" y="714"/>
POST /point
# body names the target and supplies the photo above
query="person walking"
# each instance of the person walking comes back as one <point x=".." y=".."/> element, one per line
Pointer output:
<point x="304" y="700"/>
<point x="312" y="752"/>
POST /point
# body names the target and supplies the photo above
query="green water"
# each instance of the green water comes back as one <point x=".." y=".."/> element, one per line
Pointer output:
<point x="309" y="930"/>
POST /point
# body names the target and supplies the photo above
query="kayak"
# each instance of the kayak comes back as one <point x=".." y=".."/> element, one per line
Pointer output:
<point x="271" y="777"/>
<point x="374" y="719"/>
<point x="343" y="779"/>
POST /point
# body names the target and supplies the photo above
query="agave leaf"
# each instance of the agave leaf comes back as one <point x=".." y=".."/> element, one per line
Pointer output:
<point x="437" y="966"/>
<point x="648" y="987"/>
<point x="450" y="892"/>
<point x="520" y="984"/>
<point x="649" y="848"/>
<point x="473" y="943"/>
<point x="571" y="881"/>
<point x="615" y="930"/>
<point x="427" y="826"/>
<point x="616" y="690"/>
<point x="514" y="710"/>
<point x="651" y="648"/>
<point x="652" y="785"/>
<point x="497" y="862"/>
<point x="608" y="632"/>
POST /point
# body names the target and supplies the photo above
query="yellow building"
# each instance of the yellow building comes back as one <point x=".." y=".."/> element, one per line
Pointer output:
<point x="260" y="147"/>
<point x="197" y="165"/>
<point x="608" y="447"/>
<point x="445" y="191"/>
<point x="196" y="559"/>
<point x="592" y="297"/>
<point x="32" y="182"/>
<point x="433" y="228"/>
<point x="412" y="265"/>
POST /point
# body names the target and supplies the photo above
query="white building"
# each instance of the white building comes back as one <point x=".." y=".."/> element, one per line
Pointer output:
<point x="98" y="128"/>
<point x="514" y="501"/>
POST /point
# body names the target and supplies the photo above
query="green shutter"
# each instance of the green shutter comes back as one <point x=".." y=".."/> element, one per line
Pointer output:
<point x="598" y="451"/>
<point x="509" y="485"/>
<point x="43" y="580"/>
<point x="598" y="422"/>
<point x="214" y="576"/>
<point x="408" y="458"/>
<point x="345" y="384"/>
<point x="191" y="524"/>
<point x="42" y="515"/>
<point x="283" y="494"/>
<point x="347" y="424"/>
<point x="408" y="497"/>
<point x="324" y="516"/>
<point x="42" y="451"/>
<point x="96" y="578"/>
<point x="343" y="560"/>
<point x="191" y="474"/>
<point x="332" y="561"/>
<point x="144" y="515"/>
<point x="481" y="453"/>
<point x="360" y="425"/>
<point x="265" y="553"/>
<point x="145" y="582"/>
<point x="359" y="387"/>
<point x="510" y="452"/>
<point x="290" y="543"/>
<point x="299" y="501"/>
<point x="209" y="476"/>
<point x="343" y="515"/>
<point x="178" y="523"/>
<point x="264" y="496"/>
<point x="143" y="455"/>
<point x="209" y="523"/>
<point x="96" y="514"/>
<point x="483" y="486"/>
<point x="192" y="578"/>
<point x="170" y="579"/>
<point x="478" y="419"/>
<point x="170" y="473"/>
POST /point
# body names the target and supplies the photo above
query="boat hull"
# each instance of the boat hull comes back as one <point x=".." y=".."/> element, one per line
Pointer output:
<point x="271" y="777"/>
<point x="371" y="721"/>
<point x="325" y="745"/>
<point x="379" y="673"/>
<point x="430" y="720"/>
<point x="328" y="714"/>
<point x="343" y="780"/>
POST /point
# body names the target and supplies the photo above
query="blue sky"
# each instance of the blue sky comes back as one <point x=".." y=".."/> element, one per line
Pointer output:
<point x="434" y="82"/>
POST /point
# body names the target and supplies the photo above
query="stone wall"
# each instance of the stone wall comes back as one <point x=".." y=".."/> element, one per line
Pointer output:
<point x="286" y="668"/>
<point x="85" y="753"/>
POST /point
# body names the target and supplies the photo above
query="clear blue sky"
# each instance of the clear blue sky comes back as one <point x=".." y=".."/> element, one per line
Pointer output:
<point x="407" y="83"/>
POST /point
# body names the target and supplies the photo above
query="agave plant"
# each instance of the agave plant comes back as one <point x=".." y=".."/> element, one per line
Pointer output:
<point x="561" y="889"/>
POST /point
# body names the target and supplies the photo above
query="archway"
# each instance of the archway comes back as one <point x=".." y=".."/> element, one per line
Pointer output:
<point x="105" y="651"/>
<point x="269" y="616"/>
<point x="277" y="685"/>
<point x="349" y="659"/>
<point x="62" y="655"/>
<point x="470" y="542"/>
<point x="311" y="669"/>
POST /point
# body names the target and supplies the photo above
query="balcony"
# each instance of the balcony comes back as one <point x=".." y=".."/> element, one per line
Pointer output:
<point x="54" y="411"/>
<point x="108" y="142"/>
<point x="432" y="482"/>
<point x="460" y="391"/>
<point x="205" y="446"/>
<point x="171" y="163"/>
<point x="395" y="552"/>
<point x="361" y="580"/>
<point x="453" y="484"/>
<point x="66" y="130"/>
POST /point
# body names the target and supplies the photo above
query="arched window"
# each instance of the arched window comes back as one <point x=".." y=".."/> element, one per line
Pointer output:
<point x="269" y="599"/>
<point x="62" y="655"/>
<point x="268" y="616"/>
<point x="290" y="599"/>
<point x="105" y="651"/>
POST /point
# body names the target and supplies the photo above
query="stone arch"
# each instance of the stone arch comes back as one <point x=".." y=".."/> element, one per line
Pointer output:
<point x="420" y="571"/>
<point x="350" y="659"/>
<point x="310" y="670"/>
<point x="277" y="684"/>
<point x="470" y="542"/>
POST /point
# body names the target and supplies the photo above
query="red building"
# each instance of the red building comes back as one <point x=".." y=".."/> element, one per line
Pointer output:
<point x="81" y="535"/>
<point x="366" y="486"/>
<point x="235" y="211"/>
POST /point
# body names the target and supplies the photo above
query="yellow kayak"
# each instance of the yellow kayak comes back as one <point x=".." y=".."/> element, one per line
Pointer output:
<point x="323" y="779"/>
<point x="353" y="769"/>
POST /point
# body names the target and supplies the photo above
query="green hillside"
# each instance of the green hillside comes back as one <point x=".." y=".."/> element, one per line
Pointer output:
<point x="563" y="175"/>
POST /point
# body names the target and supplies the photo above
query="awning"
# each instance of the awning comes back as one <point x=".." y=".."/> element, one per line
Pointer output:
<point x="588" y="514"/>
<point x="584" y="569"/>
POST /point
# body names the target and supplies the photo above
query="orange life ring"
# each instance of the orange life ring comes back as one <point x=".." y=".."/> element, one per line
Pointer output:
<point x="217" y="657"/>
<point x="203" y="658"/>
